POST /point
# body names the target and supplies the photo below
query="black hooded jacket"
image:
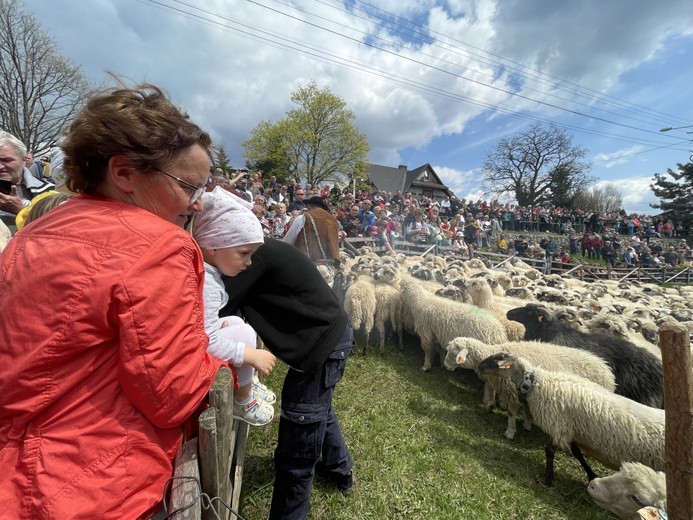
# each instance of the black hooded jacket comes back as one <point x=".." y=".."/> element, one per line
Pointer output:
<point x="285" y="299"/>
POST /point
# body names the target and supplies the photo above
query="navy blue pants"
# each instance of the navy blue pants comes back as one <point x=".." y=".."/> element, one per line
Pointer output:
<point x="309" y="434"/>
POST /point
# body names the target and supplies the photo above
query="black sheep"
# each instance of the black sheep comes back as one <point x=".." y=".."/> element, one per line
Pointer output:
<point x="638" y="372"/>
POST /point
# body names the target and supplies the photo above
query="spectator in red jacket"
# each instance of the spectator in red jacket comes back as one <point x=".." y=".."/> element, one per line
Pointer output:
<point x="98" y="374"/>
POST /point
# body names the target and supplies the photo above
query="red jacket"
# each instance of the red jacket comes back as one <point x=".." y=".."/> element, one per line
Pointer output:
<point x="102" y="358"/>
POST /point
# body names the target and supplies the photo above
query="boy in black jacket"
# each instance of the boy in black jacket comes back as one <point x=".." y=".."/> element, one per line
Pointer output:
<point x="285" y="299"/>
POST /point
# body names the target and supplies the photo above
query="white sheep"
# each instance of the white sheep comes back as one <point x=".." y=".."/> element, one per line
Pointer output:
<point x="469" y="353"/>
<point x="578" y="414"/>
<point x="633" y="487"/>
<point x="360" y="304"/>
<point x="437" y="321"/>
<point x="388" y="302"/>
<point x="482" y="296"/>
<point x="616" y="325"/>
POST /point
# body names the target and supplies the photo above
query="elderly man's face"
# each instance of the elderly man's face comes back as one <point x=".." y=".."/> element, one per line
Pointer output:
<point x="28" y="159"/>
<point x="11" y="164"/>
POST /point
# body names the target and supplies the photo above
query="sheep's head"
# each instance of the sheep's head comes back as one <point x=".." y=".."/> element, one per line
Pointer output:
<point x="423" y="273"/>
<point x="505" y="365"/>
<point x="633" y="487"/>
<point x="458" y="351"/>
<point x="452" y="293"/>
<point x="569" y="317"/>
<point x="386" y="274"/>
<point x="609" y="325"/>
<point x="532" y="316"/>
<point x="460" y="283"/>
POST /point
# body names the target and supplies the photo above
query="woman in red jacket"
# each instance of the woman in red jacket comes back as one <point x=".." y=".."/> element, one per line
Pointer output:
<point x="103" y="352"/>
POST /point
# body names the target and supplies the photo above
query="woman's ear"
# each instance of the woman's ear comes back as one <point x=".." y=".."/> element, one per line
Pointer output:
<point x="122" y="174"/>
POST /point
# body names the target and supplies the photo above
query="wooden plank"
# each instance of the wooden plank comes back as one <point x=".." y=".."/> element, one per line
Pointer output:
<point x="241" y="431"/>
<point x="678" y="399"/>
<point x="221" y="400"/>
<point x="209" y="458"/>
<point x="185" y="493"/>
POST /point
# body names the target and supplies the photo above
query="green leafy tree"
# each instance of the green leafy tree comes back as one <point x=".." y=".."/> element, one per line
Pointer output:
<point x="40" y="90"/>
<point x="537" y="166"/>
<point x="316" y="142"/>
<point x="675" y="194"/>
<point x="267" y="151"/>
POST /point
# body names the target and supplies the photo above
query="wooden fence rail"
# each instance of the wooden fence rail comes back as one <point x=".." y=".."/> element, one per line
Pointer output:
<point x="211" y="463"/>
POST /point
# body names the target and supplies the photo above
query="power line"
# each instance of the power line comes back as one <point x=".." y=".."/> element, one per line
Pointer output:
<point x="321" y="54"/>
<point x="520" y="66"/>
<point x="439" y="69"/>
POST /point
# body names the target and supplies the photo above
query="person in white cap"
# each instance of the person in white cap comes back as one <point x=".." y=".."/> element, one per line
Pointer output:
<point x="228" y="233"/>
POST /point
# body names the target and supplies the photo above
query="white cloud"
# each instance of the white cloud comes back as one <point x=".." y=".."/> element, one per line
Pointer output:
<point x="241" y="63"/>
<point x="636" y="194"/>
<point x="610" y="160"/>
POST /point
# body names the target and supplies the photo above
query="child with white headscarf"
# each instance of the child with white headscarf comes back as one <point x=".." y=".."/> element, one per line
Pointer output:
<point x="228" y="233"/>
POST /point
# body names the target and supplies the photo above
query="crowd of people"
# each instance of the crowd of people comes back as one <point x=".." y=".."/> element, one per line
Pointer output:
<point x="464" y="226"/>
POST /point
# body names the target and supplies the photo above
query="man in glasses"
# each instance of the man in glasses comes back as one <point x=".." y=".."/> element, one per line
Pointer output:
<point x="298" y="204"/>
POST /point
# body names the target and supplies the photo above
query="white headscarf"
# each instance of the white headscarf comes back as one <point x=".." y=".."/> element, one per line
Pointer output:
<point x="226" y="221"/>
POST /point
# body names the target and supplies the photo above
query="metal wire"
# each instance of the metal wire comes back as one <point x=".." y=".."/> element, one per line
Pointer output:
<point x="205" y="500"/>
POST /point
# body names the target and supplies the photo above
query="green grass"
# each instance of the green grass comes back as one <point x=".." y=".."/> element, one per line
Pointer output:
<point x="424" y="448"/>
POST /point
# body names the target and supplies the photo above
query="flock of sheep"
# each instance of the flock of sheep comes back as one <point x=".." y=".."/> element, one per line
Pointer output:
<point x="580" y="360"/>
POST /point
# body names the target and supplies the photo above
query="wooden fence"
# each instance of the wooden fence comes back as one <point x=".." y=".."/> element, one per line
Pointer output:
<point x="211" y="463"/>
<point x="585" y="272"/>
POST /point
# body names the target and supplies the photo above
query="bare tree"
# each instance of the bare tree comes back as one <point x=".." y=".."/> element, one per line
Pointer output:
<point x="40" y="90"/>
<point x="604" y="200"/>
<point x="538" y="166"/>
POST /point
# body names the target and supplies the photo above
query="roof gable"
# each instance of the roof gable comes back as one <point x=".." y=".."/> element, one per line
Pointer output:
<point x="386" y="178"/>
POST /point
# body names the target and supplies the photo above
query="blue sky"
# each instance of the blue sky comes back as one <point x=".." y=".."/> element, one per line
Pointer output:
<point x="429" y="81"/>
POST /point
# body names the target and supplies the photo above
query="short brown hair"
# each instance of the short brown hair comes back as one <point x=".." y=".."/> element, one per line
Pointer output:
<point x="138" y="123"/>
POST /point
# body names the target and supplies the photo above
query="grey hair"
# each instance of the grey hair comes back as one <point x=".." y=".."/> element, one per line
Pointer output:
<point x="8" y="139"/>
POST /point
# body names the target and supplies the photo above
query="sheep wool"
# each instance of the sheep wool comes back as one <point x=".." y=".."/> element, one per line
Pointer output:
<point x="578" y="414"/>
<point x="469" y="353"/>
<point x="437" y="321"/>
<point x="639" y="374"/>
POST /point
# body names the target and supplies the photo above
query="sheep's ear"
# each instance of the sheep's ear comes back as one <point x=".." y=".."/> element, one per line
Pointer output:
<point x="462" y="356"/>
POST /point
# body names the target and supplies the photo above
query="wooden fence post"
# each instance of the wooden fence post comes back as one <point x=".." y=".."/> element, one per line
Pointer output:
<point x="209" y="458"/>
<point x="185" y="493"/>
<point x="678" y="397"/>
<point x="221" y="401"/>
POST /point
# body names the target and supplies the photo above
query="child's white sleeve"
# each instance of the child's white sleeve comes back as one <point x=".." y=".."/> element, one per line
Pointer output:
<point x="223" y="346"/>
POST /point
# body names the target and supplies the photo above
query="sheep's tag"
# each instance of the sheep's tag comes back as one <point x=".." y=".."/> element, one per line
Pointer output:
<point x="652" y="513"/>
<point x="462" y="356"/>
<point x="540" y="318"/>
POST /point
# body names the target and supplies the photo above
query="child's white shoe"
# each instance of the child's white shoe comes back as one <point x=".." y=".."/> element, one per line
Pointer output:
<point x="256" y="412"/>
<point x="263" y="393"/>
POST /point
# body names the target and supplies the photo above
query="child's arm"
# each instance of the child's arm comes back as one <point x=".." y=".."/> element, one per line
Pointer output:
<point x="260" y="359"/>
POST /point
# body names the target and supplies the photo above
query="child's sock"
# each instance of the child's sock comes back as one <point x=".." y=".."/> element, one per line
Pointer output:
<point x="244" y="401"/>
